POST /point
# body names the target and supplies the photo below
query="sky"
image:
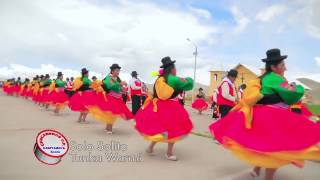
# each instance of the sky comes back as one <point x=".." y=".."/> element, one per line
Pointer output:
<point x="39" y="36"/>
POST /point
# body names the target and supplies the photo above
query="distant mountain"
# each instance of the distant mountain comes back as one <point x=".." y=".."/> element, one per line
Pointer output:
<point x="311" y="83"/>
<point x="315" y="89"/>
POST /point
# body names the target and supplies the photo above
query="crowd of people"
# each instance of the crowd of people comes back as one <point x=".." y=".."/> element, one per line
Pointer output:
<point x="263" y="123"/>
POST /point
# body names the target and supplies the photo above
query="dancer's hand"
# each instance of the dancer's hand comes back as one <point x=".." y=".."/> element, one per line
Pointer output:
<point x="123" y="83"/>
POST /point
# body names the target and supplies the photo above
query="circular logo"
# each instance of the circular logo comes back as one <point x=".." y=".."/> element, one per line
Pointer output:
<point x="50" y="146"/>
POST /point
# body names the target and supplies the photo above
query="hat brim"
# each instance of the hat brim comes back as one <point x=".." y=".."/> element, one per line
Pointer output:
<point x="280" y="58"/>
<point x="169" y="64"/>
<point x="115" y="67"/>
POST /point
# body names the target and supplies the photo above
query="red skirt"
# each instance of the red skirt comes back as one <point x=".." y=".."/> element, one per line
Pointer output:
<point x="44" y="96"/>
<point x="277" y="137"/>
<point x="30" y="93"/>
<point x="16" y="88"/>
<point x="5" y="89"/>
<point x="36" y="96"/>
<point x="24" y="92"/>
<point x="10" y="90"/>
<point x="58" y="96"/>
<point x="78" y="101"/>
<point x="108" y="108"/>
<point x="199" y="104"/>
<point x="167" y="121"/>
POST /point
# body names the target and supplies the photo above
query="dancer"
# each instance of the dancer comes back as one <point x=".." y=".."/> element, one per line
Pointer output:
<point x="108" y="106"/>
<point x="69" y="87"/>
<point x="58" y="96"/>
<point x="241" y="90"/>
<point x="24" y="88"/>
<point x="262" y="130"/>
<point x="31" y="87"/>
<point x="6" y="86"/>
<point x="200" y="103"/>
<point x="181" y="97"/>
<point x="82" y="94"/>
<point x="96" y="84"/>
<point x="45" y="100"/>
<point x="125" y="93"/>
<point x="9" y="86"/>
<point x="214" y="106"/>
<point x="135" y="85"/>
<point x="227" y="94"/>
<point x="162" y="118"/>
<point x="36" y="90"/>
<point x="17" y="87"/>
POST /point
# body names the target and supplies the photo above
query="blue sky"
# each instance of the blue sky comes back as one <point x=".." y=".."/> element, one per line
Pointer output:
<point x="137" y="34"/>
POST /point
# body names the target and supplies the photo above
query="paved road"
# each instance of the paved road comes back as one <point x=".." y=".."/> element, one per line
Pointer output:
<point x="199" y="157"/>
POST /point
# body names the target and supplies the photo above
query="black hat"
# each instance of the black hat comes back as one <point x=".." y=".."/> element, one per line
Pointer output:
<point x="243" y="86"/>
<point x="60" y="74"/>
<point x="94" y="77"/>
<point x="166" y="62"/>
<point x="134" y="73"/>
<point x="274" y="55"/>
<point x="84" y="71"/>
<point x="115" y="66"/>
<point x="233" y="73"/>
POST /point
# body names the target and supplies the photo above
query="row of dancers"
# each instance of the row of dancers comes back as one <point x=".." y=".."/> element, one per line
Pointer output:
<point x="261" y="128"/>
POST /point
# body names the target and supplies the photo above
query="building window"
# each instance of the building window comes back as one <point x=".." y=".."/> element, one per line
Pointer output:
<point x="215" y="77"/>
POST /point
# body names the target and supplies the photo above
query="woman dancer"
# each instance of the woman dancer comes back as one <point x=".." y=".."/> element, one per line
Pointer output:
<point x="162" y="118"/>
<point x="108" y="106"/>
<point x="58" y="96"/>
<point x="200" y="103"/>
<point x="262" y="130"/>
<point x="82" y="94"/>
<point x="44" y="98"/>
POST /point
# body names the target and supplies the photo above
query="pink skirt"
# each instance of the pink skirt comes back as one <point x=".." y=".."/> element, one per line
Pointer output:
<point x="200" y="104"/>
<point x="274" y="131"/>
<point x="170" y="120"/>
<point x="79" y="100"/>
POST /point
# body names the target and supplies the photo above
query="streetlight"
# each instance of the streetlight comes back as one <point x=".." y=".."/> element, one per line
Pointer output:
<point x="195" y="53"/>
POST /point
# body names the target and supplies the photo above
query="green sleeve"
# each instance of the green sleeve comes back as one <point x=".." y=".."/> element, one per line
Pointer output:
<point x="273" y="83"/>
<point x="178" y="83"/>
<point x="47" y="82"/>
<point x="112" y="85"/>
<point x="86" y="81"/>
<point x="60" y="83"/>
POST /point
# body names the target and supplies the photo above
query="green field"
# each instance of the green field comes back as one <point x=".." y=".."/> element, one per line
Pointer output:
<point x="315" y="109"/>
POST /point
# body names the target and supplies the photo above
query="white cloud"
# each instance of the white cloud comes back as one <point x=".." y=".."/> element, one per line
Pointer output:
<point x="201" y="12"/>
<point x="18" y="70"/>
<point x="270" y="13"/>
<point x="241" y="20"/>
<point x="317" y="59"/>
<point x="307" y="16"/>
<point x="135" y="35"/>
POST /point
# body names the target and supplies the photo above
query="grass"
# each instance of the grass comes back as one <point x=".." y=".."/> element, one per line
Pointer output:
<point x="315" y="109"/>
<point x="205" y="134"/>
